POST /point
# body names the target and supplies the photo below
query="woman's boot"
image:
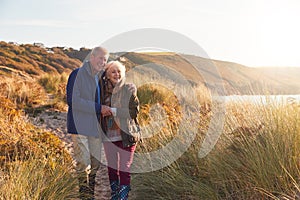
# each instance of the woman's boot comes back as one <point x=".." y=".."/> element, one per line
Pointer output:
<point x="114" y="186"/>
<point x="123" y="192"/>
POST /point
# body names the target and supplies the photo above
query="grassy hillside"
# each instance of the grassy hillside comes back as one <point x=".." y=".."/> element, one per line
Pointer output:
<point x="34" y="60"/>
<point x="236" y="78"/>
<point x="286" y="80"/>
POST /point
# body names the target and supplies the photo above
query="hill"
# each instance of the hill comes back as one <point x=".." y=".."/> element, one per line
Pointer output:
<point x="236" y="78"/>
<point x="35" y="59"/>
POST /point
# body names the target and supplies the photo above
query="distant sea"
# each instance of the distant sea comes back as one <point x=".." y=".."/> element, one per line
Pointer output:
<point x="261" y="99"/>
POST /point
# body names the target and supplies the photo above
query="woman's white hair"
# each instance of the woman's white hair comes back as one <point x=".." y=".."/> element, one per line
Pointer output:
<point x="117" y="64"/>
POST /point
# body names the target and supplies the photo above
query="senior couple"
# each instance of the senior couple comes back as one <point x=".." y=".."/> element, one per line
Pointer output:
<point x="100" y="104"/>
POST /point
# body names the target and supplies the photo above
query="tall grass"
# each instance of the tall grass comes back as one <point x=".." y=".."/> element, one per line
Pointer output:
<point x="36" y="179"/>
<point x="260" y="162"/>
<point x="33" y="163"/>
<point x="257" y="157"/>
<point x="54" y="85"/>
<point x="30" y="93"/>
<point x="22" y="91"/>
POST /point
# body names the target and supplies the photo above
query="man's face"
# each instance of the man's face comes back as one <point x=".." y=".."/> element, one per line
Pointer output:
<point x="98" y="61"/>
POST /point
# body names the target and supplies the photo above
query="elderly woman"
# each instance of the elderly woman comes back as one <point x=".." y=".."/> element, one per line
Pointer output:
<point x="119" y="146"/>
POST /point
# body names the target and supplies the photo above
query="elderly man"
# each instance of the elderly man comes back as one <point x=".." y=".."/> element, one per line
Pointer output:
<point x="83" y="98"/>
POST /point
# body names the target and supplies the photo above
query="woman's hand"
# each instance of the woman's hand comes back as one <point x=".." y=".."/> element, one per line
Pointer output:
<point x="132" y="88"/>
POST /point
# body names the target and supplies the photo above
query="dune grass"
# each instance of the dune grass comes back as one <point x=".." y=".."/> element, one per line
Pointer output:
<point x="257" y="157"/>
<point x="33" y="163"/>
<point x="55" y="86"/>
<point x="35" y="179"/>
<point x="31" y="93"/>
<point x="21" y="91"/>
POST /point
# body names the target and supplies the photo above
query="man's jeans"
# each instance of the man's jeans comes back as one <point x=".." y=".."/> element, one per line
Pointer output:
<point x="87" y="153"/>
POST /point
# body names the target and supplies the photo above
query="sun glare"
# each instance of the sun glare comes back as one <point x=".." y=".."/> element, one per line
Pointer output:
<point x="278" y="33"/>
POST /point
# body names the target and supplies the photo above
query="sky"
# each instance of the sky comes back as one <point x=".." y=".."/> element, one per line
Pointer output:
<point x="254" y="33"/>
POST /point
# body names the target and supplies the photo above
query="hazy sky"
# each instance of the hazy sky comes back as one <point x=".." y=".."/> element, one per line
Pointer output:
<point x="249" y="32"/>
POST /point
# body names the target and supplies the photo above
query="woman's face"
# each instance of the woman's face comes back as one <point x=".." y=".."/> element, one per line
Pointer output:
<point x="114" y="74"/>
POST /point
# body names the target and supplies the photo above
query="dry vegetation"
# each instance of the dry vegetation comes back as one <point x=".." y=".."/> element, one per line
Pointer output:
<point x="256" y="157"/>
<point x="35" y="60"/>
<point x="33" y="163"/>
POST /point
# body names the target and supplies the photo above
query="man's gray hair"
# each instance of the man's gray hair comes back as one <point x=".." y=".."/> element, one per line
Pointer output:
<point x="99" y="49"/>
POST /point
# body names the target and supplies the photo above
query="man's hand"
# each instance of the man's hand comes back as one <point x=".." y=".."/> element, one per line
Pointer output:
<point x="105" y="111"/>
